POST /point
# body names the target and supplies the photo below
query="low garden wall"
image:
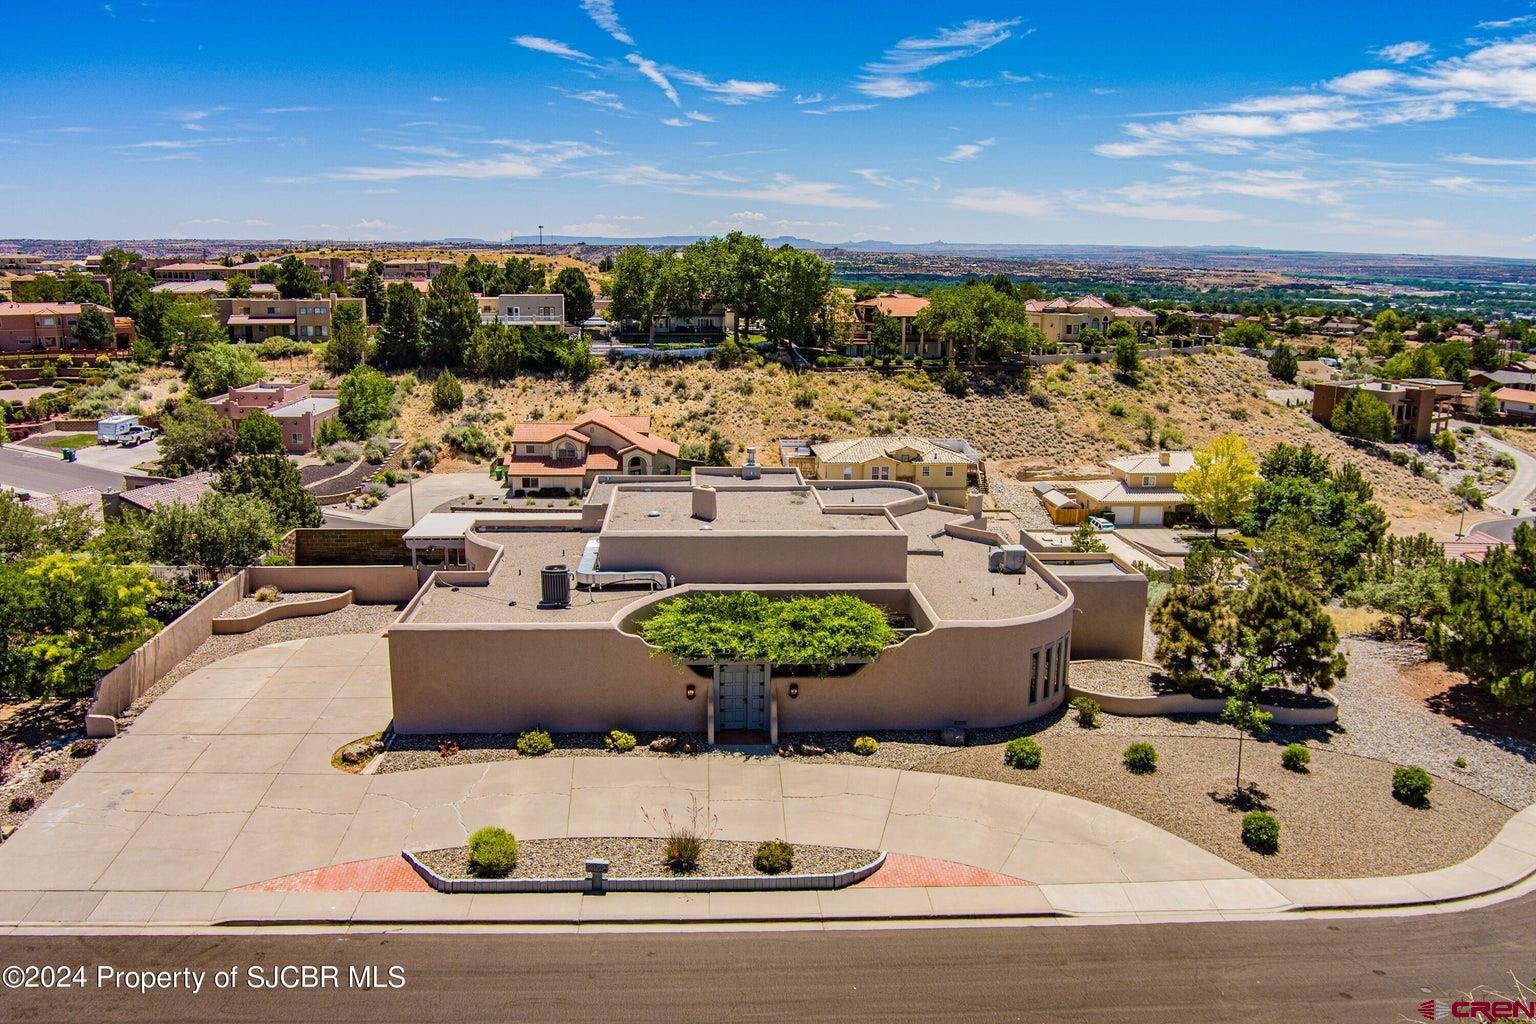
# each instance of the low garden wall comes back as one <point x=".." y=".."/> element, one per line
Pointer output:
<point x="369" y="583"/>
<point x="282" y="610"/>
<point x="162" y="652"/>
<point x="1189" y="704"/>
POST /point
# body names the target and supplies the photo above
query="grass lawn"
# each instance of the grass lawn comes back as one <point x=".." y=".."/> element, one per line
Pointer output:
<point x="68" y="441"/>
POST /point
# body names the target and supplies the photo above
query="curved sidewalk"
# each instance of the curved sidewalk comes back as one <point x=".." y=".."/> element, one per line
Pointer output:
<point x="225" y="782"/>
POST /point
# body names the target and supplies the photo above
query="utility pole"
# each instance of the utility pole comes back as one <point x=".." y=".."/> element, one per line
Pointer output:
<point x="541" y="234"/>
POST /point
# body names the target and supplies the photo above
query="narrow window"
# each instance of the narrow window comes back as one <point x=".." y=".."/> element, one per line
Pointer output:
<point x="1034" y="672"/>
<point x="1046" y="681"/>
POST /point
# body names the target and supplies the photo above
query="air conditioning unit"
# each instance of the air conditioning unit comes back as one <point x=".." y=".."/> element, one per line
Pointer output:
<point x="1007" y="558"/>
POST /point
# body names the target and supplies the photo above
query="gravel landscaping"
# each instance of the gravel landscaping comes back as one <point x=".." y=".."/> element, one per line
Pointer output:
<point x="642" y="858"/>
<point x="1338" y="820"/>
<point x="250" y="605"/>
<point x="407" y="753"/>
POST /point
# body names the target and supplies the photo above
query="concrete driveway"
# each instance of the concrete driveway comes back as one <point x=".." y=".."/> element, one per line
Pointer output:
<point x="117" y="458"/>
<point x="42" y="471"/>
<point x="226" y="781"/>
<point x="1519" y="494"/>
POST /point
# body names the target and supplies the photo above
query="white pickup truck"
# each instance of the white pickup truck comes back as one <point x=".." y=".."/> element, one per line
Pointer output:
<point x="137" y="436"/>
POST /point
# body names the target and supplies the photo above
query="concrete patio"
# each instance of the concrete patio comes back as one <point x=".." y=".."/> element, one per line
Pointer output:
<point x="225" y="781"/>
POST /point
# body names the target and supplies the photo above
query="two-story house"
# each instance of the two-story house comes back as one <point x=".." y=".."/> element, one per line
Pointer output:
<point x="1140" y="491"/>
<point x="50" y="327"/>
<point x="567" y="458"/>
<point x="530" y="310"/>
<point x="256" y="318"/>
<point x="902" y="308"/>
<point x="1063" y="321"/>
<point x="945" y="468"/>
<point x="297" y="410"/>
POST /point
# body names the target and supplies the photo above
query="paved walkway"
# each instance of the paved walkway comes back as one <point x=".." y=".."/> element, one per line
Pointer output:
<point x="225" y="783"/>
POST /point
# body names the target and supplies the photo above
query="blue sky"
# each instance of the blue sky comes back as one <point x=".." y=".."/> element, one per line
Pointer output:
<point x="1399" y="127"/>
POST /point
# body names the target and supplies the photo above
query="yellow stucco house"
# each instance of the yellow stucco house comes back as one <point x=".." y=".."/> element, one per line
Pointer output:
<point x="1140" y="491"/>
<point x="945" y="468"/>
<point x="1064" y="320"/>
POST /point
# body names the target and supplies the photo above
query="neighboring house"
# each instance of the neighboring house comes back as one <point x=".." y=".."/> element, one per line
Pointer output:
<point x="1421" y="407"/>
<point x="708" y="325"/>
<point x="523" y="309"/>
<point x="49" y="505"/>
<point x="1523" y="380"/>
<point x="901" y="307"/>
<point x="212" y="287"/>
<point x="182" y="491"/>
<point x="1063" y="321"/>
<point x="297" y="409"/>
<point x="1139" y="492"/>
<point x="191" y="271"/>
<point x="944" y="468"/>
<point x="256" y="318"/>
<point x="50" y="327"/>
<point x="568" y="458"/>
<point x="413" y="270"/>
<point x="1516" y="403"/>
<point x="538" y="623"/>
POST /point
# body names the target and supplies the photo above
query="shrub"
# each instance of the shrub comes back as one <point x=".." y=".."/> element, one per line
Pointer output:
<point x="1461" y="762"/>
<point x="1022" y="752"/>
<point x="1087" y="712"/>
<point x="683" y="852"/>
<point x="50" y="775"/>
<point x="619" y="740"/>
<point x="1295" y="757"/>
<point x="1261" y="832"/>
<point x="470" y="440"/>
<point x="535" y="743"/>
<point x="22" y="803"/>
<point x="447" y="393"/>
<point x="803" y="399"/>
<point x="774" y="857"/>
<point x="1141" y="758"/>
<point x="492" y="852"/>
<point x="865" y="746"/>
<point x="268" y="595"/>
<point x="1411" y="784"/>
<point x="954" y="383"/>
<point x="83" y="748"/>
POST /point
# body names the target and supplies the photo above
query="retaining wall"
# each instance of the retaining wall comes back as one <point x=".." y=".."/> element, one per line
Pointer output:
<point x="1189" y="704"/>
<point x="282" y="610"/>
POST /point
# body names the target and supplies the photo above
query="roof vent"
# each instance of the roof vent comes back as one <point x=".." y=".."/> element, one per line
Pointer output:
<point x="654" y="513"/>
<point x="1164" y="458"/>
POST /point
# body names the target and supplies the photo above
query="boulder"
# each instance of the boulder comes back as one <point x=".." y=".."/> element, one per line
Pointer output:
<point x="811" y="750"/>
<point x="664" y="744"/>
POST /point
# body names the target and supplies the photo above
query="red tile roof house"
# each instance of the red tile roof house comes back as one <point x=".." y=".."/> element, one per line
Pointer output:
<point x="1516" y="403"/>
<point x="567" y="458"/>
<point x="297" y="409"/>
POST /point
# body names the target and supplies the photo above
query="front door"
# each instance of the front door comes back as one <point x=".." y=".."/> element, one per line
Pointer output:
<point x="741" y="693"/>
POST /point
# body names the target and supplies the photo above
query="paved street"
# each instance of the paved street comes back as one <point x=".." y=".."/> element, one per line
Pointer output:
<point x="44" y="472"/>
<point x="119" y="459"/>
<point x="431" y="491"/>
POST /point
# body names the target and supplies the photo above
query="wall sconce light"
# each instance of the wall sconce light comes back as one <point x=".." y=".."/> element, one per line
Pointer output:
<point x="794" y="690"/>
<point x="690" y="691"/>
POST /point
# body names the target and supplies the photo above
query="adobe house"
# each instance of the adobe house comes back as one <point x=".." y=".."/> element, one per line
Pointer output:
<point x="541" y="625"/>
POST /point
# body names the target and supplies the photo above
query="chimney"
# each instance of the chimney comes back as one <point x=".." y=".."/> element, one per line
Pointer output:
<point x="973" y="504"/>
<point x="704" y="503"/>
<point x="1165" y="458"/>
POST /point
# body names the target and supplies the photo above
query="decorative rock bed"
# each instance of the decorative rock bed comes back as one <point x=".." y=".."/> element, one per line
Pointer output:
<point x="250" y="613"/>
<point x="1131" y="688"/>
<point x="636" y="865"/>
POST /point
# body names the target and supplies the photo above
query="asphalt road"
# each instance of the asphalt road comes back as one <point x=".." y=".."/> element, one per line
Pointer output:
<point x="1342" y="969"/>
<point x="47" y="473"/>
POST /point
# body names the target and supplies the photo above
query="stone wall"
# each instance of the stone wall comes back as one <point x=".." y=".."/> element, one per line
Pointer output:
<point x="377" y="546"/>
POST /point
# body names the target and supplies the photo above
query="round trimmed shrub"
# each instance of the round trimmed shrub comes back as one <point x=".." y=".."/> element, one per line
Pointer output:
<point x="1087" y="712"/>
<point x="1261" y="832"/>
<point x="1411" y="784"/>
<point x="1295" y="757"/>
<point x="619" y="740"/>
<point x="865" y="746"/>
<point x="1022" y="752"/>
<point x="774" y="857"/>
<point x="535" y="743"/>
<point x="1141" y="758"/>
<point x="492" y="852"/>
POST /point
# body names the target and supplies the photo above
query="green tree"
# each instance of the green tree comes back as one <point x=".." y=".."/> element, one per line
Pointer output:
<point x="194" y="437"/>
<point x="1246" y="334"/>
<point x="1292" y="634"/>
<point x="798" y="285"/>
<point x="21" y="529"/>
<point x="496" y="351"/>
<point x="1487" y="405"/>
<point x="365" y="399"/>
<point x="1489" y="631"/>
<point x="1406" y="577"/>
<point x="1245" y="683"/>
<point x="1221" y="483"/>
<point x="369" y="286"/>
<point x="1127" y="358"/>
<point x="1086" y="538"/>
<point x="745" y="290"/>
<point x="447" y="393"/>
<point x="637" y="291"/>
<point x="886" y="334"/>
<point x="1283" y="364"/>
<point x="273" y="480"/>
<point x="450" y="319"/>
<point x="1178" y="325"/>
<point x="298" y="280"/>
<point x="217" y="368"/>
<point x="1195" y="626"/>
<point x="1358" y="414"/>
<point x="400" y="335"/>
<point x="348" y="346"/>
<point x="573" y="284"/>
<point x="188" y="326"/>
<point x="220" y="532"/>
<point x="237" y="286"/>
<point x="94" y="329"/>
<point x="258" y="434"/>
<point x="522" y="277"/>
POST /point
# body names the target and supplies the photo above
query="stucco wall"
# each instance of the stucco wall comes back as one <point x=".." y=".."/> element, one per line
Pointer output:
<point x="817" y="556"/>
<point x="368" y="583"/>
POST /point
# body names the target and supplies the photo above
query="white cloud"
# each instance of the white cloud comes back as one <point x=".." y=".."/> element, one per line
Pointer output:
<point x="814" y="97"/>
<point x="373" y="224"/>
<point x="599" y="98"/>
<point x="676" y="122"/>
<point x="255" y="222"/>
<point x="436" y="151"/>
<point x="700" y="116"/>
<point x="650" y="69"/>
<point x="1159" y="211"/>
<point x="839" y="108"/>
<point x="732" y="91"/>
<point x="967" y="151"/>
<point x="1002" y="200"/>
<point x="784" y="188"/>
<point x="1402" y="53"/>
<point x="884" y="180"/>
<point x="1492" y="161"/>
<point x="291" y="110"/>
<point x="643" y="175"/>
<point x="607" y="19"/>
<point x="554" y="47"/>
<point x="1507" y="22"/>
<point x="891" y="77"/>
<point x="438" y="99"/>
<point x="204" y="222"/>
<point x="527" y="160"/>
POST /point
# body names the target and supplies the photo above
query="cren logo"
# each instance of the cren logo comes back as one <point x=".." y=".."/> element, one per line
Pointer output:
<point x="1434" y="1009"/>
<point x="1478" y="1009"/>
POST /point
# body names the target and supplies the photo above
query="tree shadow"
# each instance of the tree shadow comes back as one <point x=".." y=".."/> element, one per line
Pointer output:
<point x="1247" y="798"/>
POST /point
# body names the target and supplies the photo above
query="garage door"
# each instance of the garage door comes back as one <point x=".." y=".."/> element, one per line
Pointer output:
<point x="1151" y="515"/>
<point x="1125" y="515"/>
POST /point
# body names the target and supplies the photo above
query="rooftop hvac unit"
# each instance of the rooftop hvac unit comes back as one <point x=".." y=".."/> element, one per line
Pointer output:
<point x="1007" y="558"/>
<point x="555" y="587"/>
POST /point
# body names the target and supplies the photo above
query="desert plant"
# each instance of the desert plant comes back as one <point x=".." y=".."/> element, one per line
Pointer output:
<point x="774" y="857"/>
<point x="1141" y="758"/>
<point x="535" y="743"/>
<point x="619" y="740"/>
<point x="684" y="839"/>
<point x="50" y="775"/>
<point x="492" y="852"/>
<point x="1261" y="832"/>
<point x="268" y="595"/>
<point x="20" y="804"/>
<point x="1022" y="752"/>
<point x="1411" y="784"/>
<point x="1087" y="712"/>
<point x="864" y="746"/>
<point x="1461" y="762"/>
<point x="1295" y="757"/>
<point x="954" y="383"/>
<point x="83" y="748"/>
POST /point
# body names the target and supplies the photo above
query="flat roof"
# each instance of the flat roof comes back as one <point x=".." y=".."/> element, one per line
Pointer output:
<point x="750" y="509"/>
